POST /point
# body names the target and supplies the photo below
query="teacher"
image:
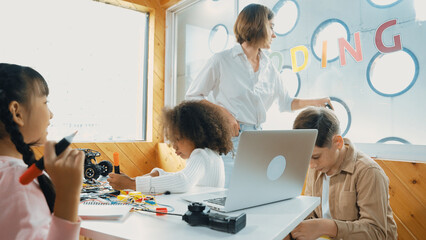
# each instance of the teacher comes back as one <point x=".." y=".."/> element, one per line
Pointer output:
<point x="242" y="81"/>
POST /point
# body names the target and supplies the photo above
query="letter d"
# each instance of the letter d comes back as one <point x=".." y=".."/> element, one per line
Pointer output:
<point x="294" y="60"/>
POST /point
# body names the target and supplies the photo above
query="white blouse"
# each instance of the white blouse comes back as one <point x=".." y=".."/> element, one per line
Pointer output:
<point x="204" y="167"/>
<point x="228" y="80"/>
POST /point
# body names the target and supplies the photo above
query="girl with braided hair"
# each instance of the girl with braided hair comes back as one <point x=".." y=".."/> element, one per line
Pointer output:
<point x="47" y="208"/>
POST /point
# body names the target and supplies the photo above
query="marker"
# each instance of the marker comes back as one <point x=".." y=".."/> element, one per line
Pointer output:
<point x="116" y="163"/>
<point x="36" y="169"/>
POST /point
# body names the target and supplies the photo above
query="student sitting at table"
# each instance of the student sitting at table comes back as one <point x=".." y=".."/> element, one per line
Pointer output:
<point x="354" y="189"/>
<point x="198" y="133"/>
<point x="47" y="207"/>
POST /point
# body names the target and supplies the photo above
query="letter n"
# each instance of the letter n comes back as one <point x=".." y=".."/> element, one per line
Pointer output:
<point x="356" y="54"/>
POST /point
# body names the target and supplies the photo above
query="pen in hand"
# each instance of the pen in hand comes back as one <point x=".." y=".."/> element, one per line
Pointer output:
<point x="36" y="169"/>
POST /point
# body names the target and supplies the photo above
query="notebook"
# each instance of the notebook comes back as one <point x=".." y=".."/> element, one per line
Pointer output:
<point x="270" y="166"/>
<point x="103" y="211"/>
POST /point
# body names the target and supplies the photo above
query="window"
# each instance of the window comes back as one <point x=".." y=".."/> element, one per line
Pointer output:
<point x="378" y="95"/>
<point x="202" y="29"/>
<point x="402" y="65"/>
<point x="93" y="56"/>
<point x="287" y="14"/>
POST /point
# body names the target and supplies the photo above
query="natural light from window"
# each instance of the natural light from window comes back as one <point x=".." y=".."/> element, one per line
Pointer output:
<point x="399" y="66"/>
<point x="91" y="54"/>
<point x="286" y="17"/>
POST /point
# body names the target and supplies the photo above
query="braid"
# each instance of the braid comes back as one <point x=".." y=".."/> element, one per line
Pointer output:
<point x="16" y="136"/>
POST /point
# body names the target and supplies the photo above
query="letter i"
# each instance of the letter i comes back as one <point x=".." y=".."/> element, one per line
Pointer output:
<point x="324" y="55"/>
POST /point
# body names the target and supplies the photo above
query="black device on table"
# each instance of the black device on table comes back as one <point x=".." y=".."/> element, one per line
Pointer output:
<point x="92" y="169"/>
<point x="199" y="214"/>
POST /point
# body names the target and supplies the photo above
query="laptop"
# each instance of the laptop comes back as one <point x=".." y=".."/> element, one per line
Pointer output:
<point x="270" y="166"/>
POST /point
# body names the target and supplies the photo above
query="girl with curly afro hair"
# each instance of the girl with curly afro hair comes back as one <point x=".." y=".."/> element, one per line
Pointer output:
<point x="198" y="132"/>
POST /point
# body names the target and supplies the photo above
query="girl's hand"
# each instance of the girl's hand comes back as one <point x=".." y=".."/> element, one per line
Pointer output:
<point x="66" y="173"/>
<point x="121" y="181"/>
<point x="65" y="170"/>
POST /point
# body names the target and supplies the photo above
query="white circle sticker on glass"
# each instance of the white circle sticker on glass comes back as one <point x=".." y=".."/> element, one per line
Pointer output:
<point x="291" y="81"/>
<point x="218" y="38"/>
<point x="286" y="18"/>
<point x="343" y="113"/>
<point x="383" y="3"/>
<point x="393" y="140"/>
<point x="392" y="74"/>
<point x="276" y="168"/>
<point x="330" y="31"/>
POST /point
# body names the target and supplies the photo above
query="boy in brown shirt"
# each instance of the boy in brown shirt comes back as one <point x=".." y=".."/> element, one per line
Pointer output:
<point x="353" y="188"/>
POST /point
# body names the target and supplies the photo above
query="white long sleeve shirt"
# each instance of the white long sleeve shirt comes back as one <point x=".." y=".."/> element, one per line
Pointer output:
<point x="204" y="167"/>
<point x="228" y="80"/>
<point x="25" y="214"/>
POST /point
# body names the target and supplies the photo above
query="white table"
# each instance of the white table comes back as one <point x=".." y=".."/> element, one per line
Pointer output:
<point x="271" y="221"/>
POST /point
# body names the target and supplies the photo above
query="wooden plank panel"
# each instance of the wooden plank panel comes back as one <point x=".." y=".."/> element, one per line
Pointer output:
<point x="168" y="3"/>
<point x="158" y="86"/>
<point x="157" y="127"/>
<point x="403" y="232"/>
<point x="159" y="81"/>
<point x="160" y="26"/>
<point x="160" y="20"/>
<point x="151" y="160"/>
<point x="159" y="68"/>
<point x="126" y="165"/>
<point x="159" y="47"/>
<point x="157" y="111"/>
<point x="137" y="156"/>
<point x="149" y="3"/>
<point x="147" y="148"/>
<point x="38" y="152"/>
<point x="404" y="205"/>
<point x="168" y="160"/>
<point x="412" y="175"/>
<point x="159" y="93"/>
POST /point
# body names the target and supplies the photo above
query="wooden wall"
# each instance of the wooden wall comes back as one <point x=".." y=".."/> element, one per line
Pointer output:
<point x="407" y="190"/>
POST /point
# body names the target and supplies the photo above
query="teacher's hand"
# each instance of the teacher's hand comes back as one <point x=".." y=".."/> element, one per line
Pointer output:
<point x="299" y="103"/>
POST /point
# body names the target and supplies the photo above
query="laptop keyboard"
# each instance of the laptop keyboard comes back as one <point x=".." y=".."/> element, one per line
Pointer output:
<point x="218" y="201"/>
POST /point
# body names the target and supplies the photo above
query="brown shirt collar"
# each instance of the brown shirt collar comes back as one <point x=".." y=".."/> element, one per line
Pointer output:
<point x="348" y="164"/>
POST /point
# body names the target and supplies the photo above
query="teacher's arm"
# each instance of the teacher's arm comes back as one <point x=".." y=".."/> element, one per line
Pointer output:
<point x="299" y="103"/>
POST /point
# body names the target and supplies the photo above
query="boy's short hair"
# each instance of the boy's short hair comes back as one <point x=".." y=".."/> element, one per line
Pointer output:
<point x="252" y="23"/>
<point x="322" y="119"/>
